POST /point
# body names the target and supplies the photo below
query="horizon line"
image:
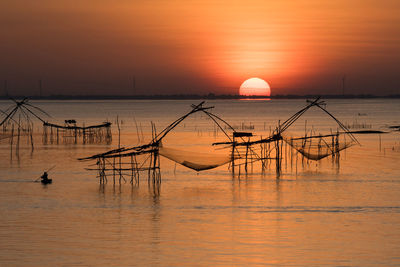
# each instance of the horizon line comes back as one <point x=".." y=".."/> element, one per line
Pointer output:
<point x="193" y="96"/>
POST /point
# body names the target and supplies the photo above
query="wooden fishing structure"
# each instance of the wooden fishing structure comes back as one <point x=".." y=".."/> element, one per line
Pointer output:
<point x="311" y="147"/>
<point x="128" y="163"/>
<point x="70" y="133"/>
<point x="17" y="123"/>
<point x="131" y="162"/>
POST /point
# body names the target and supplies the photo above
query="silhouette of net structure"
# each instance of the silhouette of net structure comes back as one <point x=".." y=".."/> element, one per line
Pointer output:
<point x="131" y="162"/>
<point x="312" y="147"/>
<point x="16" y="122"/>
<point x="195" y="160"/>
<point x="70" y="133"/>
<point x="242" y="150"/>
<point x="316" y="147"/>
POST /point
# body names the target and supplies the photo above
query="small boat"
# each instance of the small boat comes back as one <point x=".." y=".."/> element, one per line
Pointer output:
<point x="48" y="181"/>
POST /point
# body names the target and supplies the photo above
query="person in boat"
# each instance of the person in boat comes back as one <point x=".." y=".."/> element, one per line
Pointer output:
<point x="45" y="178"/>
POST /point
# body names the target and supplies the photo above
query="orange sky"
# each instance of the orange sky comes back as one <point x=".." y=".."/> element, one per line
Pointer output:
<point x="298" y="47"/>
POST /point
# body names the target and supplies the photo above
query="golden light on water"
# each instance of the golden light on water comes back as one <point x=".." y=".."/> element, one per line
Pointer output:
<point x="255" y="87"/>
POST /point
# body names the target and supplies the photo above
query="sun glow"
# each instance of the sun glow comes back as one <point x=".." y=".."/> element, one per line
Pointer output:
<point x="256" y="87"/>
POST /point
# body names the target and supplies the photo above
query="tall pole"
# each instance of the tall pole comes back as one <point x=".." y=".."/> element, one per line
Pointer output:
<point x="5" y="87"/>
<point x="40" y="88"/>
<point x="343" y="84"/>
<point x="133" y="85"/>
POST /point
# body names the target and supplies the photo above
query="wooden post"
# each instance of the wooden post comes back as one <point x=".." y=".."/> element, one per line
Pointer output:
<point x="31" y="133"/>
<point x="233" y="153"/>
<point x="137" y="172"/>
<point x="120" y="169"/>
<point x="19" y="134"/>
<point x="100" y="174"/>
<point x="104" y="171"/>
<point x="247" y="152"/>
<point x="278" y="150"/>
<point x="119" y="134"/>
<point x="12" y="140"/>
<point x="132" y="167"/>
<point x="337" y="148"/>
<point x="113" y="165"/>
<point x="51" y="134"/>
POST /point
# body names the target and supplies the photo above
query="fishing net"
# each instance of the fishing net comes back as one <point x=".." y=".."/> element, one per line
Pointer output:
<point x="195" y="160"/>
<point x="318" y="147"/>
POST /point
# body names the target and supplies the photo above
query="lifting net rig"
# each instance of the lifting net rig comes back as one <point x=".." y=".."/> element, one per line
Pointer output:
<point x="130" y="162"/>
<point x="17" y="122"/>
<point x="317" y="147"/>
<point x="312" y="147"/>
<point x="70" y="133"/>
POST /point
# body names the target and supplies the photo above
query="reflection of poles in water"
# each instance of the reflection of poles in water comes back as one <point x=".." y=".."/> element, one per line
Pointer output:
<point x="380" y="143"/>
<point x="154" y="189"/>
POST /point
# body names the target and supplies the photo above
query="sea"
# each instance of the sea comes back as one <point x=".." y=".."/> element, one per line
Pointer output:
<point x="330" y="212"/>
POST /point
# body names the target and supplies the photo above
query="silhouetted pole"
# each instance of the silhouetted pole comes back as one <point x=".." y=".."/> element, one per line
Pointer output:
<point x="133" y="85"/>
<point x="5" y="88"/>
<point x="343" y="84"/>
<point x="40" y="88"/>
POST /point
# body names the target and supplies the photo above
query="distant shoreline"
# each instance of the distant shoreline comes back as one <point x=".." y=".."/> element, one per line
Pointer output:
<point x="191" y="97"/>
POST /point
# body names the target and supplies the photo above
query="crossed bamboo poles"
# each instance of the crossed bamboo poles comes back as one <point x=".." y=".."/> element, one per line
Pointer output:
<point x="26" y="110"/>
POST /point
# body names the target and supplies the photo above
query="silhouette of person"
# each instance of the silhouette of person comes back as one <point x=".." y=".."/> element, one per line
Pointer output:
<point x="45" y="177"/>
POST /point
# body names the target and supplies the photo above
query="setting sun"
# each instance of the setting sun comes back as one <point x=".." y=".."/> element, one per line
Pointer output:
<point x="256" y="87"/>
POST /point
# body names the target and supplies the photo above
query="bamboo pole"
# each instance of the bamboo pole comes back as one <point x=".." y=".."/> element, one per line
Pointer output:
<point x="31" y="135"/>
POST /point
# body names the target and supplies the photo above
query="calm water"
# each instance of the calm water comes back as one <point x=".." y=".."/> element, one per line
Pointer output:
<point x="316" y="214"/>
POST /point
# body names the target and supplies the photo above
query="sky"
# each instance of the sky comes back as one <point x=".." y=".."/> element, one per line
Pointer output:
<point x="183" y="47"/>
